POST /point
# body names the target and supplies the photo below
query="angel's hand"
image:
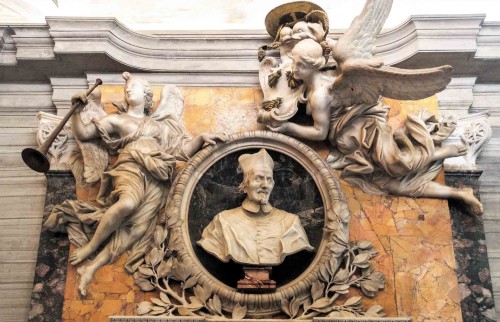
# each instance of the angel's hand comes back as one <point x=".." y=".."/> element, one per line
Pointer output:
<point x="80" y="99"/>
<point x="212" y="138"/>
<point x="282" y="128"/>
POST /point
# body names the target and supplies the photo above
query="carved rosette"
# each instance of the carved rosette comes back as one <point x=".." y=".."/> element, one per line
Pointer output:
<point x="474" y="131"/>
<point x="60" y="151"/>
<point x="321" y="290"/>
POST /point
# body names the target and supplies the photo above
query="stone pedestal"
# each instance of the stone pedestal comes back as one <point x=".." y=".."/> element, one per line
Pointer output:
<point x="257" y="280"/>
<point x="52" y="261"/>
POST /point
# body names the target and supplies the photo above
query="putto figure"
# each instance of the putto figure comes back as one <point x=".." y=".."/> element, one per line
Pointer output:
<point x="255" y="233"/>
<point x="133" y="190"/>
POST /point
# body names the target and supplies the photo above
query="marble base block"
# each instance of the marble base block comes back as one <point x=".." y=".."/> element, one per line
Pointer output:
<point x="473" y="271"/>
<point x="51" y="267"/>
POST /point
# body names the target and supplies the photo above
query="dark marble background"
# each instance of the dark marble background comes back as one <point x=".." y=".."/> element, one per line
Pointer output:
<point x="52" y="261"/>
<point x="294" y="191"/>
<point x="473" y="271"/>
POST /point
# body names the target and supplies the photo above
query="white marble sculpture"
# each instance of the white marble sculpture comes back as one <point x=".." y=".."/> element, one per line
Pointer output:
<point x="61" y="150"/>
<point x="255" y="233"/>
<point x="472" y="130"/>
<point x="134" y="188"/>
<point x="343" y="97"/>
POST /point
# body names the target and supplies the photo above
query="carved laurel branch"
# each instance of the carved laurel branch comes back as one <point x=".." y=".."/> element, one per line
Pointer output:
<point x="183" y="297"/>
<point x="323" y="290"/>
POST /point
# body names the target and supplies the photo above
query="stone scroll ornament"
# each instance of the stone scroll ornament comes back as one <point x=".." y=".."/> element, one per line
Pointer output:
<point x="60" y="152"/>
<point x="341" y="84"/>
<point x="134" y="188"/>
<point x="187" y="288"/>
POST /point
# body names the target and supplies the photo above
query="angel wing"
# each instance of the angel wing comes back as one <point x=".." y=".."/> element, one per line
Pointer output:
<point x="362" y="83"/>
<point x="171" y="104"/>
<point x="359" y="40"/>
<point x="362" y="78"/>
<point x="89" y="162"/>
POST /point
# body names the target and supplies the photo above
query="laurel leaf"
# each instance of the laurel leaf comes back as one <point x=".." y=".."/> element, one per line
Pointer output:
<point x="192" y="281"/>
<point x="164" y="297"/>
<point x="146" y="271"/>
<point x="199" y="292"/>
<point x="144" y="284"/>
<point x="158" y="302"/>
<point x="217" y="304"/>
<point x="144" y="308"/>
<point x="317" y="290"/>
<point x="239" y="312"/>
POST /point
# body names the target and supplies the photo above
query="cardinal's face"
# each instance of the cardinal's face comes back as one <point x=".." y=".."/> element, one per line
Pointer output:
<point x="260" y="185"/>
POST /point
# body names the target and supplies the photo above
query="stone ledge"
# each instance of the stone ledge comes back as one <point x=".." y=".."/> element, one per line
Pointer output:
<point x="201" y="319"/>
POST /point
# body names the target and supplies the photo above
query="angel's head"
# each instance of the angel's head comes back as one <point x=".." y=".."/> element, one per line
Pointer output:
<point x="138" y="93"/>
<point x="307" y="57"/>
<point x="285" y="34"/>
<point x="308" y="30"/>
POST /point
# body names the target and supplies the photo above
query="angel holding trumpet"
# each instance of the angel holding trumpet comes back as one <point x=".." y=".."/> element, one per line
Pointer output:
<point x="134" y="188"/>
<point x="342" y="88"/>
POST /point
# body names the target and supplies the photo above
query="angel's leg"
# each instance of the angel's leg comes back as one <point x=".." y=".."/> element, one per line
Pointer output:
<point x="433" y="189"/>
<point x="87" y="271"/>
<point x="109" y="223"/>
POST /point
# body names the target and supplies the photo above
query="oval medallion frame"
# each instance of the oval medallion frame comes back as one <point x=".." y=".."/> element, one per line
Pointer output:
<point x="335" y="221"/>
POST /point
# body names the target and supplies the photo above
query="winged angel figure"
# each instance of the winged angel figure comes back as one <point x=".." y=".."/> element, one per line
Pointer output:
<point x="343" y="97"/>
<point x="134" y="188"/>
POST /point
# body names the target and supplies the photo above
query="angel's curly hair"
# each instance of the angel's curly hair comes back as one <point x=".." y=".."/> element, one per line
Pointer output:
<point x="148" y="91"/>
<point x="311" y="52"/>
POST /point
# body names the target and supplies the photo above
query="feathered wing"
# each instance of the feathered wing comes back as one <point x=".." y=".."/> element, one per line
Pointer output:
<point x="362" y="83"/>
<point x="362" y="78"/>
<point x="359" y="40"/>
<point x="91" y="160"/>
<point x="171" y="104"/>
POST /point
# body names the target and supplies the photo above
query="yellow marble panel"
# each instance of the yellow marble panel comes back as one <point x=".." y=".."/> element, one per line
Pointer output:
<point x="413" y="239"/>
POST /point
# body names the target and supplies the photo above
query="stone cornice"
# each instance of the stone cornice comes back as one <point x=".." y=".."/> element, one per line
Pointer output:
<point x="166" y="52"/>
<point x="488" y="42"/>
<point x="221" y="53"/>
<point x="430" y="34"/>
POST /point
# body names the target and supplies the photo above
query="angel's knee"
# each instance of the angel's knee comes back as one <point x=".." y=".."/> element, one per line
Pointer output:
<point x="126" y="205"/>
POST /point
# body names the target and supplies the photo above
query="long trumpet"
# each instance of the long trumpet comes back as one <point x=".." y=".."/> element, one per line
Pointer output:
<point x="37" y="159"/>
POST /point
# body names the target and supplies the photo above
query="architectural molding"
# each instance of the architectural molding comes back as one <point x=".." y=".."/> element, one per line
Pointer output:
<point x="183" y="79"/>
<point x="487" y="99"/>
<point x="430" y="34"/>
<point x="216" y="57"/>
<point x="457" y="98"/>
<point x="33" y="42"/>
<point x="488" y="41"/>
<point x="62" y="90"/>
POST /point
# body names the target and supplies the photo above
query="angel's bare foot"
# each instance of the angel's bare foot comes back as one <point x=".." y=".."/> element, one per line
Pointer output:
<point x="80" y="254"/>
<point x="469" y="198"/>
<point x="450" y="151"/>
<point x="86" y="275"/>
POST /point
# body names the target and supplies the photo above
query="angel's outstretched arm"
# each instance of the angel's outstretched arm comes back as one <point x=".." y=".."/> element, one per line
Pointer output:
<point x="193" y="146"/>
<point x="85" y="132"/>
